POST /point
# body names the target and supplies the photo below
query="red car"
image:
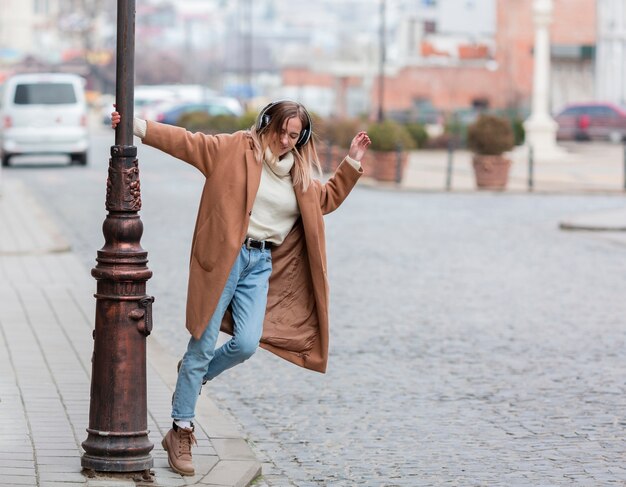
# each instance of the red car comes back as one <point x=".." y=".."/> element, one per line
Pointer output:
<point x="592" y="121"/>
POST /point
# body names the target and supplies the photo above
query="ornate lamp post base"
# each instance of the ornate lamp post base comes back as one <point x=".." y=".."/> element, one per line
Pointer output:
<point x="112" y="464"/>
<point x="117" y="435"/>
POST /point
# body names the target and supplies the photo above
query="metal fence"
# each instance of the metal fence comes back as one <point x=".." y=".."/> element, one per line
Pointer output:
<point x="583" y="167"/>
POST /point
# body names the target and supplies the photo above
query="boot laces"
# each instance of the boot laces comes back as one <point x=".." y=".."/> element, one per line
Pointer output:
<point x="187" y="438"/>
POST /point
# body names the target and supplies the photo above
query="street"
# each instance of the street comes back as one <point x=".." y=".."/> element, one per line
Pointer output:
<point x="472" y="341"/>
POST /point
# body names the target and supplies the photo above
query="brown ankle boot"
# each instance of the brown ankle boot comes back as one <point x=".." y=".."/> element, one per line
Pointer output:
<point x="177" y="444"/>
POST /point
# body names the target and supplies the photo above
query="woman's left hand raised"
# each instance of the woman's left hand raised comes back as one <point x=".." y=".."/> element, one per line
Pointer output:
<point x="359" y="145"/>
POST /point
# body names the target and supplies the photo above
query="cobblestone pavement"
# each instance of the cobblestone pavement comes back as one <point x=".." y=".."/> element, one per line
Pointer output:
<point x="473" y="343"/>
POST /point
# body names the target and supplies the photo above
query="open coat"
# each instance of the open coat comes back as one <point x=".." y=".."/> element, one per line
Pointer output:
<point x="296" y="318"/>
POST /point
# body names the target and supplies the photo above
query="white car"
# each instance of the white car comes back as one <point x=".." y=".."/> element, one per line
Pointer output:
<point x="44" y="113"/>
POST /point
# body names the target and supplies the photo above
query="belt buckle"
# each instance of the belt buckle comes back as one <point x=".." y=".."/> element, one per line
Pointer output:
<point x="249" y="241"/>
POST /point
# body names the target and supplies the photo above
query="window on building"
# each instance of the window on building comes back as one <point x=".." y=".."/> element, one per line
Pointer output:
<point x="480" y="103"/>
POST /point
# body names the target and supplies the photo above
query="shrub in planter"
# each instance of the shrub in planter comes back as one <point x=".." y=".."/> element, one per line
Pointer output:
<point x="335" y="135"/>
<point x="388" y="136"/>
<point x="389" y="156"/>
<point x="489" y="137"/>
<point x="418" y="133"/>
<point x="341" y="131"/>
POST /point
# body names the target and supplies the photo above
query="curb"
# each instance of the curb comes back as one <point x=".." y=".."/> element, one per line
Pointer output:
<point x="613" y="220"/>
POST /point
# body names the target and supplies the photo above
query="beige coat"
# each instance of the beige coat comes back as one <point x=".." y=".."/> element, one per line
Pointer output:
<point x="296" y="318"/>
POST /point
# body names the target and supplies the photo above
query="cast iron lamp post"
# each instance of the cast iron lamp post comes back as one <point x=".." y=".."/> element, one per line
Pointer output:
<point x="117" y="438"/>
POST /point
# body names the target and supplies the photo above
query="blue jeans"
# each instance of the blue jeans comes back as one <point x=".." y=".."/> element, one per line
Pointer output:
<point x="246" y="292"/>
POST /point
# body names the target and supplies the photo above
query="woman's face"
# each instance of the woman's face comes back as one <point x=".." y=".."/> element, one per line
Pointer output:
<point x="285" y="140"/>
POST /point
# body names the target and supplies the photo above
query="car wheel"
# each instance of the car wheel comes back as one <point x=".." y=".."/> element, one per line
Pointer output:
<point x="5" y="159"/>
<point x="79" y="158"/>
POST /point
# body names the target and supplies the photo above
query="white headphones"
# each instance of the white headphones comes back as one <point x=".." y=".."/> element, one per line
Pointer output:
<point x="264" y="119"/>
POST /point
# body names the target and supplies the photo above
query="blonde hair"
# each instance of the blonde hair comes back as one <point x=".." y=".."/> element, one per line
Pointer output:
<point x="306" y="160"/>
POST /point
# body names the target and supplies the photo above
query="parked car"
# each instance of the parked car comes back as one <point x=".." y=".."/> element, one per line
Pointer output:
<point x="44" y="113"/>
<point x="215" y="106"/>
<point x="148" y="98"/>
<point x="592" y="121"/>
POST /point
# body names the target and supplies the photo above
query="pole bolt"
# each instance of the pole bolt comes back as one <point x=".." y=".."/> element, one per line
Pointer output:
<point x="136" y="314"/>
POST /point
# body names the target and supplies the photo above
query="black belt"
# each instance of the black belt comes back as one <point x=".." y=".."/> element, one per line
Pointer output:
<point x="250" y="243"/>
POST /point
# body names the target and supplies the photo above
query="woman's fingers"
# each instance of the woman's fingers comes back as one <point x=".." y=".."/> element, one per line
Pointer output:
<point x="115" y="119"/>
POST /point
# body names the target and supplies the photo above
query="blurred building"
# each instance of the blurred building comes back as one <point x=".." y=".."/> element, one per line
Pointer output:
<point x="445" y="55"/>
<point x="440" y="55"/>
<point x="487" y="60"/>
<point x="25" y="28"/>
<point x="64" y="35"/>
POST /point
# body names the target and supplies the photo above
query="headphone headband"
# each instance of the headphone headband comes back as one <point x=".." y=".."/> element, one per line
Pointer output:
<point x="264" y="119"/>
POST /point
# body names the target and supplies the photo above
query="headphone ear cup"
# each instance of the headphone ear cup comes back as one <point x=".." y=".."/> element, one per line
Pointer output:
<point x="264" y="120"/>
<point x="305" y="135"/>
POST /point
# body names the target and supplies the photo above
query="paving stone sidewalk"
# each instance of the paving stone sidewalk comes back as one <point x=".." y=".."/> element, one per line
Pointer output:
<point x="46" y="321"/>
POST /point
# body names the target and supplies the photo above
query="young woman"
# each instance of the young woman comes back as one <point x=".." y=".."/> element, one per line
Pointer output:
<point x="258" y="258"/>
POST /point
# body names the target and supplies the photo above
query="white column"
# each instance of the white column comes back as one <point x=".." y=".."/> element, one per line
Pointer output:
<point x="540" y="127"/>
<point x="620" y="16"/>
<point x="610" y="51"/>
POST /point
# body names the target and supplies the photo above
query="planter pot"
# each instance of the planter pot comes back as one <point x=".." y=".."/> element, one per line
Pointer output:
<point x="492" y="172"/>
<point x="388" y="166"/>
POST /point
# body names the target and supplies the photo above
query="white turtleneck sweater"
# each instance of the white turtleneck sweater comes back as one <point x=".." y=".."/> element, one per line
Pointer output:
<point x="275" y="209"/>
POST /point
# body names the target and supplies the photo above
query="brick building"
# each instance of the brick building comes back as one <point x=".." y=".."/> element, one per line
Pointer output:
<point x="504" y="78"/>
<point x="494" y="72"/>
